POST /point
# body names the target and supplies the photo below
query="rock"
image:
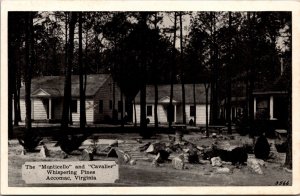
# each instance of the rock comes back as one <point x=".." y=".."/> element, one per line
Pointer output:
<point x="214" y="135"/>
<point x="154" y="163"/>
<point x="171" y="138"/>
<point x="44" y="152"/>
<point x="223" y="170"/>
<point x="216" y="162"/>
<point x="226" y="163"/>
<point x="200" y="148"/>
<point x="150" y="149"/>
<point x="261" y="162"/>
<point x="113" y="143"/>
<point x="287" y="170"/>
<point x="144" y="147"/>
<point x="63" y="155"/>
<point x="254" y="164"/>
<point x="176" y="148"/>
<point x="155" y="148"/>
<point x="204" y="161"/>
<point x="112" y="153"/>
<point x="23" y="152"/>
<point x="86" y="155"/>
<point x="123" y="157"/>
<point x="158" y="158"/>
<point x="168" y="144"/>
<point x="178" y="163"/>
<point x="162" y="156"/>
<point x="223" y="145"/>
<point x="132" y="162"/>
<point x="262" y="148"/>
<point x="185" y="157"/>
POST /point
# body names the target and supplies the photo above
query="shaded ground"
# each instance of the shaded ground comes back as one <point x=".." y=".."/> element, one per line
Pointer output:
<point x="145" y="174"/>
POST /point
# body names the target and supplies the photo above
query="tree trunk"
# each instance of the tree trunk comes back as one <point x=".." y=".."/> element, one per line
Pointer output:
<point x="29" y="58"/>
<point x="17" y="96"/>
<point x="135" y="118"/>
<point x="251" y="76"/>
<point x="155" y="105"/>
<point x="289" y="154"/>
<point x="67" y="86"/>
<point x="206" y="86"/>
<point x="182" y="71"/>
<point x="194" y="99"/>
<point x="143" y="61"/>
<point x="228" y="89"/>
<point x="155" y="84"/>
<point x="214" y="106"/>
<point x="171" y="107"/>
<point x="82" y="93"/>
<point x="122" y="105"/>
<point x="143" y="120"/>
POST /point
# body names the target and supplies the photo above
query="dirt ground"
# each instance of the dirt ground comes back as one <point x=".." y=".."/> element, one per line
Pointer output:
<point x="143" y="173"/>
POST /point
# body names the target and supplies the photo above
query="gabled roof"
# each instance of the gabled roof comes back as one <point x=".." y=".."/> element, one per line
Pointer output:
<point x="54" y="85"/>
<point x="279" y="86"/>
<point x="164" y="92"/>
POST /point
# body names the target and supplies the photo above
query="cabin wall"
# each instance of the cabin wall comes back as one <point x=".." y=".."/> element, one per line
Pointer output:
<point x="89" y="107"/>
<point x="162" y="113"/>
<point x="105" y="93"/>
<point x="39" y="109"/>
<point x="200" y="113"/>
<point x="23" y="109"/>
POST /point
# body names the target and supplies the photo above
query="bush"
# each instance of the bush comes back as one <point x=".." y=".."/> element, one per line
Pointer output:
<point x="30" y="141"/>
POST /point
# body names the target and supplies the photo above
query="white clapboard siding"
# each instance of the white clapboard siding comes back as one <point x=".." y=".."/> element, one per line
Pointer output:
<point x="105" y="93"/>
<point x="89" y="106"/>
<point x="39" y="109"/>
<point x="151" y="118"/>
<point x="162" y="114"/>
<point x="200" y="113"/>
<point x="23" y="109"/>
<point x="138" y="112"/>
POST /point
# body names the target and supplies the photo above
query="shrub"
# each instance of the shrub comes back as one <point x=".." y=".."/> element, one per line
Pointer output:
<point x="30" y="141"/>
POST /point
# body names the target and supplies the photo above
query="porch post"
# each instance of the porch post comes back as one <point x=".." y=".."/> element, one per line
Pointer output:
<point x="174" y="113"/>
<point x="271" y="107"/>
<point x="32" y="109"/>
<point x="50" y="108"/>
<point x="254" y="105"/>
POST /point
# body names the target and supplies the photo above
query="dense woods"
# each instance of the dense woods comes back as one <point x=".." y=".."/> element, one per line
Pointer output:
<point x="226" y="51"/>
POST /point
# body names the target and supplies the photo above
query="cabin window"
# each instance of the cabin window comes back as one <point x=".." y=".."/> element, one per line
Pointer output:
<point x="74" y="106"/>
<point x="263" y="110"/>
<point x="100" y="106"/>
<point x="149" y="110"/>
<point x="192" y="110"/>
<point x="110" y="104"/>
<point x="120" y="105"/>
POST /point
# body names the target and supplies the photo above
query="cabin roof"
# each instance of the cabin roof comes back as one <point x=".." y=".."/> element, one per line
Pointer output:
<point x="53" y="86"/>
<point x="279" y="86"/>
<point x="164" y="92"/>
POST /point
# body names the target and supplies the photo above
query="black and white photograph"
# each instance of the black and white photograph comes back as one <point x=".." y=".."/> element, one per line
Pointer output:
<point x="183" y="98"/>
